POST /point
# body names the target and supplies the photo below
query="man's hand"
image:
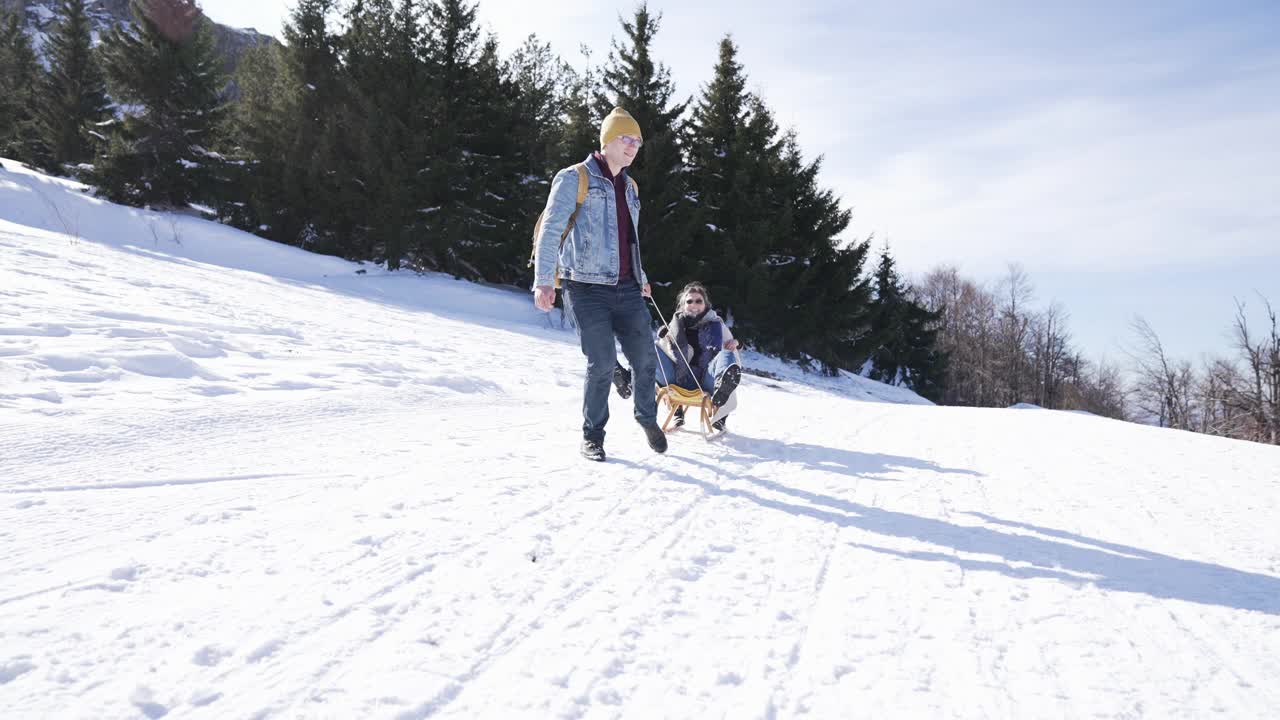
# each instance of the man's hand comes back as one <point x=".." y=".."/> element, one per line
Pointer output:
<point x="175" y="19"/>
<point x="544" y="297"/>
<point x="645" y="291"/>
<point x="731" y="344"/>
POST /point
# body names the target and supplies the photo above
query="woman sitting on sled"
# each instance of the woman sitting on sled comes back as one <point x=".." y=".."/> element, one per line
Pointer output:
<point x="697" y="352"/>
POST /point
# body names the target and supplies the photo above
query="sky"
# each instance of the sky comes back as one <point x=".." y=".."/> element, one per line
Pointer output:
<point x="240" y="480"/>
<point x="1124" y="155"/>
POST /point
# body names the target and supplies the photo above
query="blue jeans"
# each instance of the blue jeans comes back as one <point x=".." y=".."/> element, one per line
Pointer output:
<point x="602" y="313"/>
<point x="666" y="372"/>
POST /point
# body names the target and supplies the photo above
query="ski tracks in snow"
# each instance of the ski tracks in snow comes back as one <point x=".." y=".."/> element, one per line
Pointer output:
<point x="630" y="635"/>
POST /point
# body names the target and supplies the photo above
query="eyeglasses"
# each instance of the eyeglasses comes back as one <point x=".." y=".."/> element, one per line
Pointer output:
<point x="633" y="141"/>
<point x="693" y="301"/>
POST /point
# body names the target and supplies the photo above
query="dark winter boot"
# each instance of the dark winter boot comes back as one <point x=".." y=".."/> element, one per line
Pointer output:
<point x="719" y="425"/>
<point x="593" y="450"/>
<point x="657" y="438"/>
<point x="622" y="381"/>
<point x="725" y="385"/>
<point x="679" y="420"/>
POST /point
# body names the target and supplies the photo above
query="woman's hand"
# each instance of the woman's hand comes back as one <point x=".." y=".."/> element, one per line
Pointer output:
<point x="731" y="344"/>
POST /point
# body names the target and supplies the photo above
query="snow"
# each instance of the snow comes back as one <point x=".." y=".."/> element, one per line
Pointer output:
<point x="39" y="39"/>
<point x="241" y="480"/>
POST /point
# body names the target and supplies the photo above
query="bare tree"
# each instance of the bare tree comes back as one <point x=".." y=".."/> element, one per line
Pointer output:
<point x="1000" y="351"/>
<point x="1164" y="385"/>
<point x="1220" y="411"/>
<point x="943" y="289"/>
<point x="977" y="343"/>
<point x="1013" y="330"/>
<point x="1256" y="392"/>
<point x="1050" y="355"/>
<point x="1105" y="392"/>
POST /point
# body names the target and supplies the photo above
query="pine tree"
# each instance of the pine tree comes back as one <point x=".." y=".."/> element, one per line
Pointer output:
<point x="312" y="54"/>
<point x="19" y="74"/>
<point x="632" y="80"/>
<point x="318" y="150"/>
<point x="822" y="302"/>
<point x="907" y="332"/>
<point x="160" y="150"/>
<point x="578" y="132"/>
<point x="383" y="95"/>
<point x="288" y="99"/>
<point x="453" y="51"/>
<point x="487" y="148"/>
<point x="73" y="98"/>
<point x="714" y="155"/>
<point x="546" y="88"/>
<point x="258" y="127"/>
<point x="514" y="133"/>
<point x="737" y="183"/>
<point x="765" y="237"/>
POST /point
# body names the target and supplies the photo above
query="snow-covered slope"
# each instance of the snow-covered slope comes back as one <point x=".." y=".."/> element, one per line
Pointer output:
<point x="239" y="480"/>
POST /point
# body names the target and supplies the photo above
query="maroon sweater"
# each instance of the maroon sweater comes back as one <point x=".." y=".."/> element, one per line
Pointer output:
<point x="625" y="230"/>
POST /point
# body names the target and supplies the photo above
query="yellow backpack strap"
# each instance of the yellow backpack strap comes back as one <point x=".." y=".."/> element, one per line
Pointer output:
<point x="582" y="185"/>
<point x="582" y="197"/>
<point x="581" y="169"/>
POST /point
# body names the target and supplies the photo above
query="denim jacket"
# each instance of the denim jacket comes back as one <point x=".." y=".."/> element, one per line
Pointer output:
<point x="590" y="252"/>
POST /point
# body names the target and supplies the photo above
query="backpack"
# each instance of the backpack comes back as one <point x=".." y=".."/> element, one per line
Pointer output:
<point x="582" y="196"/>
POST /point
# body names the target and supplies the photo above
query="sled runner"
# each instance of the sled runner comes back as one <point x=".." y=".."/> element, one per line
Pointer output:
<point x="677" y="397"/>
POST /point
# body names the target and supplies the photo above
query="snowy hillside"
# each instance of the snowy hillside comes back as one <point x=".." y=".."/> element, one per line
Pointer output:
<point x="238" y="480"/>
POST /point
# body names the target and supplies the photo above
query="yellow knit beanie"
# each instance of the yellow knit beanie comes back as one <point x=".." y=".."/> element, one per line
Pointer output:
<point x="618" y="122"/>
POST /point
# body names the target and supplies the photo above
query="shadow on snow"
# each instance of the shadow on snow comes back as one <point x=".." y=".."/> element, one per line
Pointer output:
<point x="1028" y="551"/>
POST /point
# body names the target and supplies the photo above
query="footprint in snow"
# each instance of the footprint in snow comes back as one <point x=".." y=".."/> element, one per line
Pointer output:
<point x="211" y="655"/>
<point x="266" y="650"/>
<point x="144" y="700"/>
<point x="11" y="669"/>
<point x="126" y="572"/>
<point x="200" y="698"/>
<point x="541" y="548"/>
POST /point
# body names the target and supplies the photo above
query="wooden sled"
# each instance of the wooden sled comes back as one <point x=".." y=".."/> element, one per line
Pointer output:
<point x="677" y="397"/>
